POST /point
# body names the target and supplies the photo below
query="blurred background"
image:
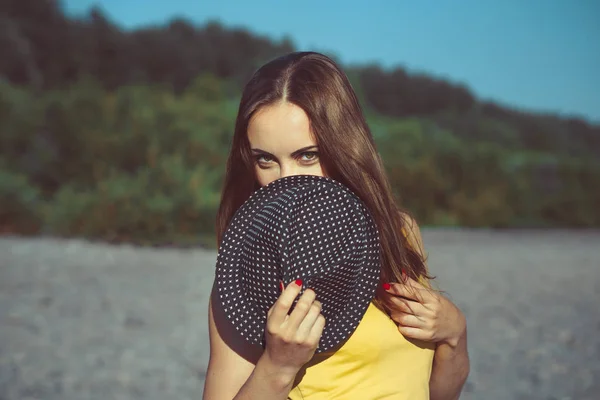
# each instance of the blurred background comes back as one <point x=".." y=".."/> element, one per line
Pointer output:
<point x="117" y="115"/>
<point x="115" y="123"/>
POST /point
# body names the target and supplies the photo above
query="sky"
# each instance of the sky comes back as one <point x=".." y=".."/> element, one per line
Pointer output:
<point x="536" y="55"/>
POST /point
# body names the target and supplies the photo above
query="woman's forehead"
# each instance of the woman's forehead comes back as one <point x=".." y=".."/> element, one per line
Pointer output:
<point x="280" y="126"/>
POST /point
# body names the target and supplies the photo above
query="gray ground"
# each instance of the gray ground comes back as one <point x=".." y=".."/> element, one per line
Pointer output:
<point x="93" y="321"/>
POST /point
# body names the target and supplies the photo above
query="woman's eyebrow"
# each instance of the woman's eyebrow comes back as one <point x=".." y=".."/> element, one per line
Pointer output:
<point x="259" y="151"/>
<point x="294" y="154"/>
<point x="302" y="150"/>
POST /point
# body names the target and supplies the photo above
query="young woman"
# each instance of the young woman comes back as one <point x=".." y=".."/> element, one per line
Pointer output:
<point x="299" y="115"/>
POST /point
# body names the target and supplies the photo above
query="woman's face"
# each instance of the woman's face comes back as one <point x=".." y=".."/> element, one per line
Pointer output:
<point x="282" y="143"/>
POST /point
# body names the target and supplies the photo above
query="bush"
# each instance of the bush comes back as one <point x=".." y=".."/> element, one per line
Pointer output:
<point x="20" y="204"/>
<point x="165" y="203"/>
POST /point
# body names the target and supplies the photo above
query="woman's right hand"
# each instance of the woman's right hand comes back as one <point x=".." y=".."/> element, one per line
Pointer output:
<point x="291" y="340"/>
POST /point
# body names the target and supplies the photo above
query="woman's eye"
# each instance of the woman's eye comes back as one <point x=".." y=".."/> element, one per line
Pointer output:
<point x="309" y="156"/>
<point x="262" y="159"/>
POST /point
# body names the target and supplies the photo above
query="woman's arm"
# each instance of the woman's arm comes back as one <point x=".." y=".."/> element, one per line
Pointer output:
<point x="237" y="370"/>
<point x="438" y="320"/>
<point x="228" y="371"/>
<point x="450" y="369"/>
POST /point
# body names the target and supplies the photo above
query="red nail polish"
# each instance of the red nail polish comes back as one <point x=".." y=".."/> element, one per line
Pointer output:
<point x="281" y="286"/>
<point x="386" y="286"/>
<point x="403" y="275"/>
<point x="299" y="282"/>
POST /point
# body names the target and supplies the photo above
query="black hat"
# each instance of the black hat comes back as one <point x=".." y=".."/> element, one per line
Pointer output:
<point x="299" y="227"/>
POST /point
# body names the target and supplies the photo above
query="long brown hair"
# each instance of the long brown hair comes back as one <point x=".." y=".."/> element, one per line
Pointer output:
<point x="347" y="150"/>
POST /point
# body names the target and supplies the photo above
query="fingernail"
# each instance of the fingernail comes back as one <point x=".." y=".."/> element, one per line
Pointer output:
<point x="281" y="286"/>
<point x="386" y="286"/>
<point x="299" y="282"/>
<point x="403" y="275"/>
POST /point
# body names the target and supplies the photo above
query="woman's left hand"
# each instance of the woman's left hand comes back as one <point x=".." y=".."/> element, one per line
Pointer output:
<point x="422" y="313"/>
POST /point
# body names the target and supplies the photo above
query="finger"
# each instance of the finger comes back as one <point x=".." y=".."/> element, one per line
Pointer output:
<point x="308" y="321"/>
<point x="407" y="306"/>
<point x="408" y="320"/>
<point x="301" y="309"/>
<point x="415" y="333"/>
<point x="410" y="292"/>
<point x="281" y="308"/>
<point x="317" y="330"/>
<point x="281" y="289"/>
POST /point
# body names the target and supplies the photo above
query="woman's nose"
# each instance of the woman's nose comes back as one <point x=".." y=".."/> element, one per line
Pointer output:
<point x="288" y="170"/>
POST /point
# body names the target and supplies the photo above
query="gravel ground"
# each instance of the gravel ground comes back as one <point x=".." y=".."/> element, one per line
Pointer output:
<point x="80" y="320"/>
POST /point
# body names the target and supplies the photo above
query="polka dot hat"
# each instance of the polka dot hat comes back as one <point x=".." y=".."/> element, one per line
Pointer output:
<point x="299" y="227"/>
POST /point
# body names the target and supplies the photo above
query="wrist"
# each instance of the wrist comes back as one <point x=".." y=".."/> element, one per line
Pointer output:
<point x="280" y="377"/>
<point x="459" y="336"/>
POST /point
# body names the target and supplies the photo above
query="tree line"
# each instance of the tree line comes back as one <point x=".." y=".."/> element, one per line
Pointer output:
<point x="116" y="133"/>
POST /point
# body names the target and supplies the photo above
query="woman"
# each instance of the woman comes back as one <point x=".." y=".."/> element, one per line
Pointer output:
<point x="299" y="115"/>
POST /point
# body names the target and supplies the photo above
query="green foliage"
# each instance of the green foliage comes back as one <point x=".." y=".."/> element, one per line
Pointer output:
<point x="445" y="180"/>
<point x="145" y="164"/>
<point x="167" y="202"/>
<point x="125" y="135"/>
<point x="20" y="204"/>
<point x="138" y="164"/>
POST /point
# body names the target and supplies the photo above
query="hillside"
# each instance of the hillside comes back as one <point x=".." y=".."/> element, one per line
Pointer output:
<point x="123" y="134"/>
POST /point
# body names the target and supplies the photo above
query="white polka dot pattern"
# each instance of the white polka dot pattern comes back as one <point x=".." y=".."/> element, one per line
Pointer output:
<point x="299" y="227"/>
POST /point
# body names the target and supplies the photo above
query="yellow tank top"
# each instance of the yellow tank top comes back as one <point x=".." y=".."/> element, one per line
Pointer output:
<point x="376" y="362"/>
